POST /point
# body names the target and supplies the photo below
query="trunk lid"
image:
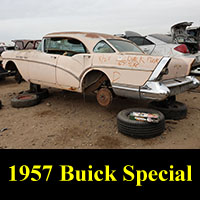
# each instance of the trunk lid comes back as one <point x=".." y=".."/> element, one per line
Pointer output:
<point x="181" y="36"/>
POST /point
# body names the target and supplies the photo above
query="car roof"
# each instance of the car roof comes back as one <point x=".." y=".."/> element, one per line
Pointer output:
<point x="132" y="34"/>
<point x="163" y="37"/>
<point x="90" y="39"/>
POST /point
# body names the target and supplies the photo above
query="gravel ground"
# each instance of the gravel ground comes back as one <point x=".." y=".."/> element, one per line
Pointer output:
<point x="66" y="120"/>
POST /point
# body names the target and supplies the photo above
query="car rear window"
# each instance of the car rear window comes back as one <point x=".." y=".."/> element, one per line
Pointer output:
<point x="140" y="41"/>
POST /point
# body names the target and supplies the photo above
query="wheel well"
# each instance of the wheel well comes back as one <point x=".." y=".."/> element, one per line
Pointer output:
<point x="11" y="66"/>
<point x="94" y="79"/>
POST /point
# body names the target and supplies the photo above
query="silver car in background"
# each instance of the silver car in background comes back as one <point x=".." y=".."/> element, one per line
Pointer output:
<point x="165" y="45"/>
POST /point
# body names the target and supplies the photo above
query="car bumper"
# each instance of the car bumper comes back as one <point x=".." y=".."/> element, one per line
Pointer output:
<point x="195" y="71"/>
<point x="157" y="90"/>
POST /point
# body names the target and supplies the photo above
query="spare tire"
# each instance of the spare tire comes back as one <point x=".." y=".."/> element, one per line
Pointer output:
<point x="25" y="100"/>
<point x="140" y="129"/>
<point x="174" y="111"/>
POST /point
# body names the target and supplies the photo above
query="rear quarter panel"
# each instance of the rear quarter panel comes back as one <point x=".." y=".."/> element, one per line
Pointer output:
<point x="179" y="67"/>
<point x="126" y="69"/>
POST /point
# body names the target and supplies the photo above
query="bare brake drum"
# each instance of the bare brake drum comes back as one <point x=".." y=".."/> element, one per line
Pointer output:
<point x="104" y="97"/>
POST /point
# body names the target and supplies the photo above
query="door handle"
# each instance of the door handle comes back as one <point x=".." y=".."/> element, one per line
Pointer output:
<point x="87" y="56"/>
<point x="54" y="57"/>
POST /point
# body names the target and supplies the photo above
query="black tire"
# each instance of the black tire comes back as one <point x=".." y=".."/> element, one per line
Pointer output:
<point x="25" y="100"/>
<point x="18" y="77"/>
<point x="174" y="111"/>
<point x="140" y="129"/>
<point x="0" y="104"/>
<point x="43" y="93"/>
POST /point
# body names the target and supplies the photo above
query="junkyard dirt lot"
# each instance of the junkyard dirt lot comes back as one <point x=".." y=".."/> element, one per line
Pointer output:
<point x="66" y="120"/>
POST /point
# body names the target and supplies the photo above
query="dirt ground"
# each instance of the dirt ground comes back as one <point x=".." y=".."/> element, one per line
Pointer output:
<point x="66" y="120"/>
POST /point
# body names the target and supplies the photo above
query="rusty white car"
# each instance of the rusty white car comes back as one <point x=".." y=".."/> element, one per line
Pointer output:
<point x="92" y="62"/>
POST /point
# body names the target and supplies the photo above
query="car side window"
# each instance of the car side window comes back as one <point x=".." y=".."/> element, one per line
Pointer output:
<point x="140" y="41"/>
<point x="137" y="40"/>
<point x="64" y="46"/>
<point x="39" y="48"/>
<point x="103" y="47"/>
<point x="19" y="45"/>
<point x="29" y="45"/>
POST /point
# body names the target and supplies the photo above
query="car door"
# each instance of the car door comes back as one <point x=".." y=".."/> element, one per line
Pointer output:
<point x="71" y="64"/>
<point x="42" y="67"/>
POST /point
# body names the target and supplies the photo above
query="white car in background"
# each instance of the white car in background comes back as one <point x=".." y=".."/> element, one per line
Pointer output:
<point x="162" y="44"/>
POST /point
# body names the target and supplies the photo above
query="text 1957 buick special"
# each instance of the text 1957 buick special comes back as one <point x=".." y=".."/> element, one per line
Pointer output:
<point x="105" y="64"/>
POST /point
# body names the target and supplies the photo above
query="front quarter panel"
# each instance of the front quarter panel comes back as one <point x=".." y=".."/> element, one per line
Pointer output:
<point x="19" y="58"/>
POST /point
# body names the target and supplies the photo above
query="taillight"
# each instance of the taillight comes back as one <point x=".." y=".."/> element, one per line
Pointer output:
<point x="182" y="48"/>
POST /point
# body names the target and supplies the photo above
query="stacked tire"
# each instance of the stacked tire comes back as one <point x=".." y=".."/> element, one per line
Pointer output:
<point x="173" y="111"/>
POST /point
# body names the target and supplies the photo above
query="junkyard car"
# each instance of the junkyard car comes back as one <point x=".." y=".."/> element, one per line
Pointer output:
<point x="4" y="47"/>
<point x="167" y="45"/>
<point x="26" y="44"/>
<point x="92" y="62"/>
<point x="183" y="33"/>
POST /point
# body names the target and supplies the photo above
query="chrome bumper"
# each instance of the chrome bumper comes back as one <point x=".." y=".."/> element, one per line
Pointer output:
<point x="158" y="91"/>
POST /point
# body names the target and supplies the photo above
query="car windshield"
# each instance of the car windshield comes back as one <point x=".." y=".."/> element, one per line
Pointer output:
<point x="124" y="46"/>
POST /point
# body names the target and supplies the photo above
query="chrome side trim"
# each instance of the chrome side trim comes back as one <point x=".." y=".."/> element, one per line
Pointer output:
<point x="47" y="64"/>
<point x="126" y="91"/>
